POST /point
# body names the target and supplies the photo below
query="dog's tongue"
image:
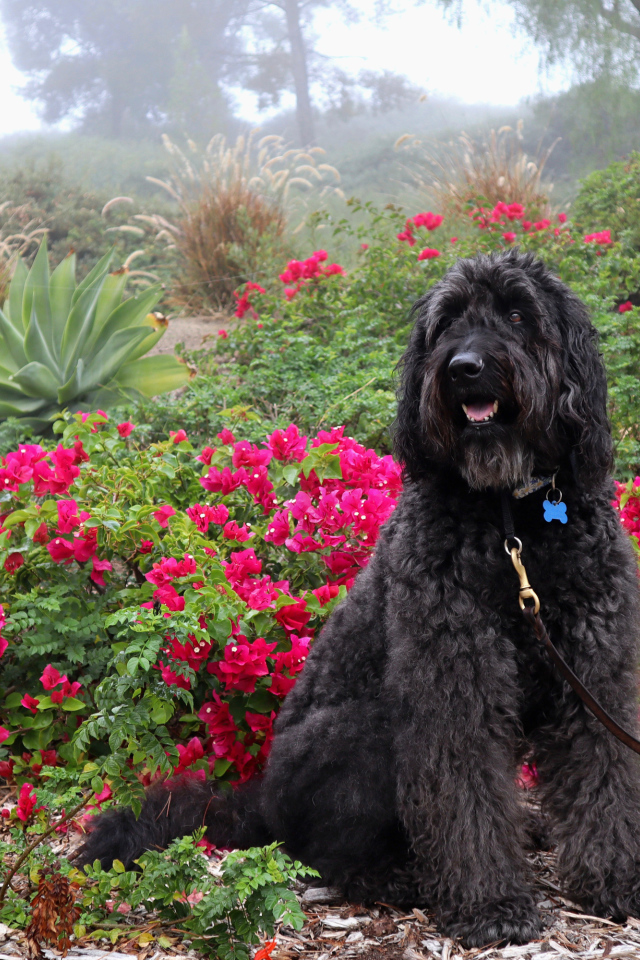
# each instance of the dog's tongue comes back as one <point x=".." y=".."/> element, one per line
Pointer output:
<point x="478" y="411"/>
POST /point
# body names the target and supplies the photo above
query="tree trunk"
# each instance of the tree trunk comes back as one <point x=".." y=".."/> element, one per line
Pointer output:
<point x="300" y="75"/>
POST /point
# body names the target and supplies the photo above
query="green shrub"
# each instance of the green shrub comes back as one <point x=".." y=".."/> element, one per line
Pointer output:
<point x="611" y="198"/>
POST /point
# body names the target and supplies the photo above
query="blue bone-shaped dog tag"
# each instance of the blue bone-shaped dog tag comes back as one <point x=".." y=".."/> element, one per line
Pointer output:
<point x="555" y="511"/>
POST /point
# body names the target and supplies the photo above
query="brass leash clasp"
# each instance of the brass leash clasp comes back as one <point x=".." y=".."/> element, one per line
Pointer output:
<point x="526" y="591"/>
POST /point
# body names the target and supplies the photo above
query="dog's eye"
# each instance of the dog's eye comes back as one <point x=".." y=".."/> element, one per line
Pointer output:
<point x="515" y="316"/>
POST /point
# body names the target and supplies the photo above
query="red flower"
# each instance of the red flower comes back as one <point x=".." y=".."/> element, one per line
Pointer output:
<point x="526" y="224"/>
<point x="162" y="515"/>
<point x="224" y="481"/>
<point x="243" y="663"/>
<point x="13" y="562"/>
<point x="61" y="550"/>
<point x="26" y="802"/>
<point x="6" y="769"/>
<point x="604" y="237"/>
<point x="246" y="454"/>
<point x="169" y="597"/>
<point x="30" y="703"/>
<point x="562" y="218"/>
<point x="67" y="515"/>
<point x="189" y="754"/>
<point x="42" y="534"/>
<point x="294" y="616"/>
<point x="429" y="220"/>
<point x="146" y="546"/>
<point x="428" y="254"/>
<point x="326" y="593"/>
<point x="206" y="455"/>
<point x="202" y="515"/>
<point x="170" y="677"/>
<point x="278" y="529"/>
<point x="231" y="531"/>
<point x="223" y="334"/>
<point x="179" y="436"/>
<point x="225" y="436"/>
<point x="125" y="428"/>
<point x="4" y="735"/>
<point x="625" y="307"/>
<point x="509" y="237"/>
<point x="97" y="573"/>
<point x="51" y="677"/>
<point x="287" y="445"/>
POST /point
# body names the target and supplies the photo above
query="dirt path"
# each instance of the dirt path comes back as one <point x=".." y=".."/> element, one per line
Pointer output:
<point x="192" y="331"/>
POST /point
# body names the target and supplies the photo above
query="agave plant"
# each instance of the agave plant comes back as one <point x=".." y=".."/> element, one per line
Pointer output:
<point x="65" y="344"/>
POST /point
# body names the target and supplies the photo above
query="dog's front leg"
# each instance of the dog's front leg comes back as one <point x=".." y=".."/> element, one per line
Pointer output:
<point x="456" y="694"/>
<point x="590" y="781"/>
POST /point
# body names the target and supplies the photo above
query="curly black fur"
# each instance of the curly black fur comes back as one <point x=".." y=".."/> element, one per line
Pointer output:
<point x="393" y="766"/>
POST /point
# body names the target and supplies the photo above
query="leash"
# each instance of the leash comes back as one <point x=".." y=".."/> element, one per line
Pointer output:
<point x="530" y="606"/>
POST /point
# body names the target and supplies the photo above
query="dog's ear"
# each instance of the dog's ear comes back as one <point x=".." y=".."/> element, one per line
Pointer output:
<point x="408" y="438"/>
<point x="582" y="404"/>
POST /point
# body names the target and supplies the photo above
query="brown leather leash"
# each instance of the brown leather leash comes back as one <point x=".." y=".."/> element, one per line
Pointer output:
<point x="530" y="606"/>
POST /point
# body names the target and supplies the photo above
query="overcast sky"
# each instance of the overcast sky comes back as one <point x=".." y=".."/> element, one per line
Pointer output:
<point x="484" y="62"/>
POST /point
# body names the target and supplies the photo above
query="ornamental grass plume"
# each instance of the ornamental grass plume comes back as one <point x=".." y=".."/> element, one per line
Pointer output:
<point x="496" y="169"/>
<point x="234" y="205"/>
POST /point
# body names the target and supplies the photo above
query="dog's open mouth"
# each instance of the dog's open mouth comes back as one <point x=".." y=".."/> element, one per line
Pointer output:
<point x="480" y="411"/>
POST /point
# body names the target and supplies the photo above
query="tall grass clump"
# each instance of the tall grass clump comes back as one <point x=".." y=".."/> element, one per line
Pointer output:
<point x="458" y="174"/>
<point x="234" y="204"/>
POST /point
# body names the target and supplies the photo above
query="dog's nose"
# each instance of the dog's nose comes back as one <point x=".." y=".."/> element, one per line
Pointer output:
<point x="466" y="366"/>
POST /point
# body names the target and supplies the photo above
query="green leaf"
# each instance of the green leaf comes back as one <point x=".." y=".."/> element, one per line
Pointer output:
<point x="79" y="325"/>
<point x="37" y="380"/>
<point x="35" y="298"/>
<point x="16" y="294"/>
<point x="103" y="366"/>
<point x="131" y="313"/>
<point x="71" y="704"/>
<point x="153" y="375"/>
<point x="61" y="289"/>
<point x="14" y="340"/>
<point x="100" y="269"/>
<point x="37" y="346"/>
<point x="110" y="296"/>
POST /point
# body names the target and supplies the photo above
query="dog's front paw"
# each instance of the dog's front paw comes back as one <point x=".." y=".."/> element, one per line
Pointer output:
<point x="509" y="920"/>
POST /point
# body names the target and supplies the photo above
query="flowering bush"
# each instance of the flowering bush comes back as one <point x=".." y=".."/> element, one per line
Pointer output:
<point x="322" y="342"/>
<point x="159" y="602"/>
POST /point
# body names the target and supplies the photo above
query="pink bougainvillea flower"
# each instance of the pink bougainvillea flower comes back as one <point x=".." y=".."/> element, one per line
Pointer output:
<point x="170" y="677"/>
<point x="146" y="546"/>
<point x="169" y="596"/>
<point x="6" y="769"/>
<point x="162" y="515"/>
<point x="278" y="529"/>
<point x="224" y="482"/>
<point x="294" y="616"/>
<point x="243" y="663"/>
<point x="602" y="237"/>
<point x="30" y="703"/>
<point x="3" y="645"/>
<point x="326" y="593"/>
<point x="625" y="307"/>
<point x="526" y="225"/>
<point x="509" y="236"/>
<point x="26" y="802"/>
<point x="206" y="455"/>
<point x="179" y="436"/>
<point x="562" y="218"/>
<point x="125" y="428"/>
<point x="202" y="515"/>
<point x="287" y="445"/>
<point x="225" y="436"/>
<point x="61" y="550"/>
<point x="223" y="334"/>
<point x="429" y="220"/>
<point x="99" y="567"/>
<point x="249" y="455"/>
<point x="231" y="531"/>
<point x="453" y="240"/>
<point x="42" y="534"/>
<point x="4" y="735"/>
<point x="51" y="677"/>
<point x="428" y="254"/>
<point x="68" y="517"/>
<point x="13" y="562"/>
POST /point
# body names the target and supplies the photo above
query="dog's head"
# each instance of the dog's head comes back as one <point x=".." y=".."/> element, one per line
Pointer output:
<point x="502" y="378"/>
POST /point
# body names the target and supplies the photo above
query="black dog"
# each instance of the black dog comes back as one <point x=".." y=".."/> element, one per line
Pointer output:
<point x="393" y="767"/>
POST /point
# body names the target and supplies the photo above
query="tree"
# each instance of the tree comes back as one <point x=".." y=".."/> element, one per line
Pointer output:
<point x="595" y="36"/>
<point x="118" y="63"/>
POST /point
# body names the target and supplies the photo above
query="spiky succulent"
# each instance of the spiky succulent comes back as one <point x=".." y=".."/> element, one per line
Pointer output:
<point x="64" y="344"/>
